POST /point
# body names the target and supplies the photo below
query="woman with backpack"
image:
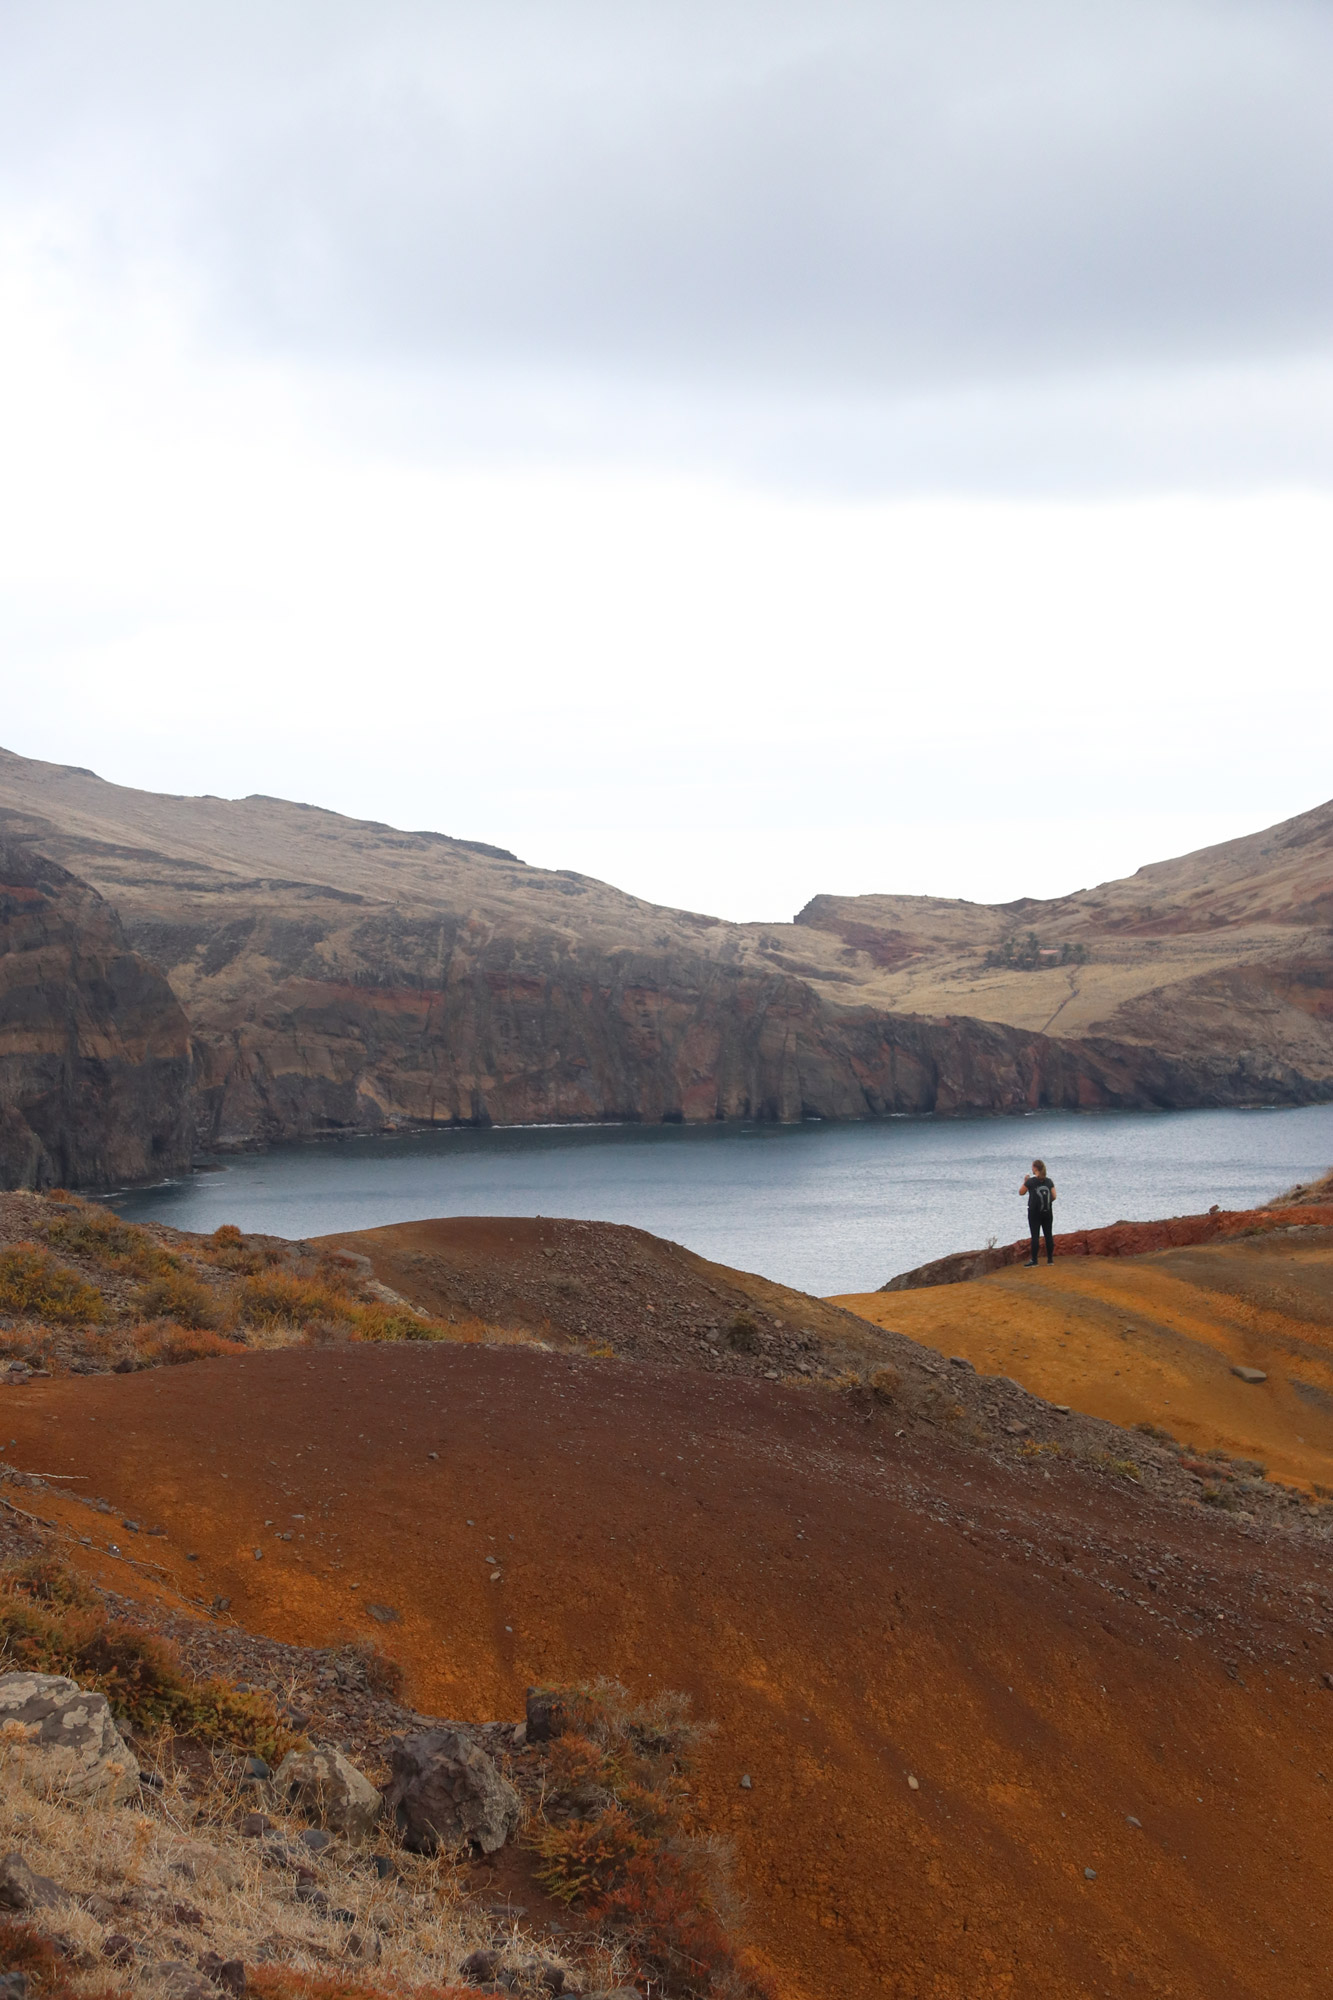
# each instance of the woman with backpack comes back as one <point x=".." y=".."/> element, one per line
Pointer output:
<point x="1040" y="1191"/>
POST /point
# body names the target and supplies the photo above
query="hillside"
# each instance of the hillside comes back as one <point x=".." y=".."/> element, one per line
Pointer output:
<point x="340" y="976"/>
<point x="1228" y="950"/>
<point x="1003" y="1705"/>
<point x="1009" y="1725"/>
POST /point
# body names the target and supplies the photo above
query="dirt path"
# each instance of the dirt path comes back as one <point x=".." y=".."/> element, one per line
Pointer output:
<point x="1044" y="1654"/>
<point x="1154" y="1339"/>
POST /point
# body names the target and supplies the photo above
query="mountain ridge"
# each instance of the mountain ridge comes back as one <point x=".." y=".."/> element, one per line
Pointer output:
<point x="342" y="975"/>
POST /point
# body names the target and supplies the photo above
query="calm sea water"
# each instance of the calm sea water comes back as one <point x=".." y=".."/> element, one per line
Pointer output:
<point x="828" y="1208"/>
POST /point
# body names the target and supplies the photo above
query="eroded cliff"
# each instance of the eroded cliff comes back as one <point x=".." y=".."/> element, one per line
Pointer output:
<point x="341" y="976"/>
<point x="94" y="1046"/>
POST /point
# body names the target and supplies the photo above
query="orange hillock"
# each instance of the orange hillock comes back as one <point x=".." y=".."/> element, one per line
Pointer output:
<point x="1145" y="1324"/>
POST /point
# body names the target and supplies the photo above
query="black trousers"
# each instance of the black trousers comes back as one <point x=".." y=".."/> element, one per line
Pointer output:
<point x="1038" y="1224"/>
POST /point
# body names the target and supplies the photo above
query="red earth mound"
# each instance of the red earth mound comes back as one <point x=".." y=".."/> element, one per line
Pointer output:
<point x="1009" y="1730"/>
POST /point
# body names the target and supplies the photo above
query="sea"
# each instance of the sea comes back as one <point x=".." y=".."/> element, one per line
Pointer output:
<point x="827" y="1208"/>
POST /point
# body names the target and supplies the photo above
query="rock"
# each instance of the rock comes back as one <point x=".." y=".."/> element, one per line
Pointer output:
<point x="316" y="1839"/>
<point x="480" y="1968"/>
<point x="445" y="1792"/>
<point x="184" y="1982"/>
<point x="254" y="1825"/>
<point x="226" y="1973"/>
<point x="961" y="1361"/>
<point x="117" y="1948"/>
<point x="65" y="1736"/>
<point x="1131" y="1821"/>
<point x="746" y="1785"/>
<point x="1089" y="1874"/>
<point x="329" y="1787"/>
<point x="546" y="1718"/>
<point x="255" y="1767"/>
<point x="1249" y="1374"/>
<point x="13" y="1986"/>
<point x="20" y="1889"/>
<point x="383" y="1614"/>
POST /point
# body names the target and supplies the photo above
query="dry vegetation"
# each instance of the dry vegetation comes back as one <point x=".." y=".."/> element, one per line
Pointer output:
<point x="82" y="1291"/>
<point x="209" y="1881"/>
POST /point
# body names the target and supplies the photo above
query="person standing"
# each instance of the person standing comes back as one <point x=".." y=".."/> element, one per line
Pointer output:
<point x="1040" y="1191"/>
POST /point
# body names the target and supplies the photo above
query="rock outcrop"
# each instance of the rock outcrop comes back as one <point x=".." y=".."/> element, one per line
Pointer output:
<point x="445" y="1793"/>
<point x="65" y="1734"/>
<point x="94" y="1046"/>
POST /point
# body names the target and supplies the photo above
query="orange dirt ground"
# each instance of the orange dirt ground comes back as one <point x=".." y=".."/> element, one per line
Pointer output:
<point x="1044" y="1654"/>
<point x="1154" y="1339"/>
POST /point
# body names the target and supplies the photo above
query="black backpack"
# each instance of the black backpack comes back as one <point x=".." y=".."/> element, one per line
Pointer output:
<point x="1039" y="1197"/>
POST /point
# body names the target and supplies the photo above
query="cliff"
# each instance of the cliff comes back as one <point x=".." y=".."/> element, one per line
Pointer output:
<point x="94" y="1048"/>
<point x="340" y="976"/>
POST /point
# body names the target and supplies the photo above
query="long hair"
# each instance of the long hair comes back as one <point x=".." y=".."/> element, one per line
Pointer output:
<point x="1039" y="1166"/>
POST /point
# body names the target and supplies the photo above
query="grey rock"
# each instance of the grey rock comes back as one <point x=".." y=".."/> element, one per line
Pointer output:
<point x="327" y="1785"/>
<point x="444" y="1792"/>
<point x="315" y="1838"/>
<point x="228" y="1974"/>
<point x="1249" y="1374"/>
<point x="64" y="1736"/>
<point x="184" y="1982"/>
<point x="961" y="1361"/>
<point x="546" y="1717"/>
<point x="20" y="1889"/>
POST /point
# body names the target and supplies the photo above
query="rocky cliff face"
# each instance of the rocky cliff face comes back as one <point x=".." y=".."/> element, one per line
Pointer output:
<point x="341" y="976"/>
<point x="94" y="1051"/>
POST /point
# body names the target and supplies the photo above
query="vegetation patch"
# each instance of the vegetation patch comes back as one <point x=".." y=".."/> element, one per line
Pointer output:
<point x="616" y="1839"/>
<point x="51" y="1622"/>
<point x="34" y="1285"/>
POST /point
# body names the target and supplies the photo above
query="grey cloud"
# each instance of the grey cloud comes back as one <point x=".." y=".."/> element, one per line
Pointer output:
<point x="840" y="217"/>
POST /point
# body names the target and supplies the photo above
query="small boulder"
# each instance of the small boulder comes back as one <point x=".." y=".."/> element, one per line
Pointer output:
<point x="445" y="1792"/>
<point x="20" y="1889"/>
<point x="65" y="1737"/>
<point x="1249" y="1374"/>
<point x="328" y="1786"/>
<point x="227" y="1974"/>
<point x="546" y="1718"/>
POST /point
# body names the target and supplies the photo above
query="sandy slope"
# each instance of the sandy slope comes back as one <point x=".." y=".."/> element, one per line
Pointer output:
<point x="1046" y="1653"/>
<point x="1154" y="1339"/>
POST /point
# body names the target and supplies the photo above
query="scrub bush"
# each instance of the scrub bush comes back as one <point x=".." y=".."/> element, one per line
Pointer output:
<point x="34" y="1286"/>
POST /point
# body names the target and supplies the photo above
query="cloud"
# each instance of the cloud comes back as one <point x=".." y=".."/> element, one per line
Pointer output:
<point x="971" y="243"/>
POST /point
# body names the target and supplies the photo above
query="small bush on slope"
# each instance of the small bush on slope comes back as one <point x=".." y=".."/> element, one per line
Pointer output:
<point x="617" y="1841"/>
<point x="177" y="1296"/>
<point x="34" y="1286"/>
<point x="101" y="1238"/>
<point x="53" y="1623"/>
<point x="163" y="1342"/>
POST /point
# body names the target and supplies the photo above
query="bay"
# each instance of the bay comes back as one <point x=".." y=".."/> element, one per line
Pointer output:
<point x="827" y="1208"/>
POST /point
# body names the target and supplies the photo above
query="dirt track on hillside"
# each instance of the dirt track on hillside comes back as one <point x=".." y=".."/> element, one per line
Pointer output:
<point x="1045" y="1654"/>
<point x="1153" y="1339"/>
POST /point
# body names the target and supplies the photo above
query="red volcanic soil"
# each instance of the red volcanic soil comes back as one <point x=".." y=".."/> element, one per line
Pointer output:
<point x="1112" y="1707"/>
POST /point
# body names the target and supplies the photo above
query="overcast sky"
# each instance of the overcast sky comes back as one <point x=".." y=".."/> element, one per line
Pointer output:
<point x="734" y="449"/>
